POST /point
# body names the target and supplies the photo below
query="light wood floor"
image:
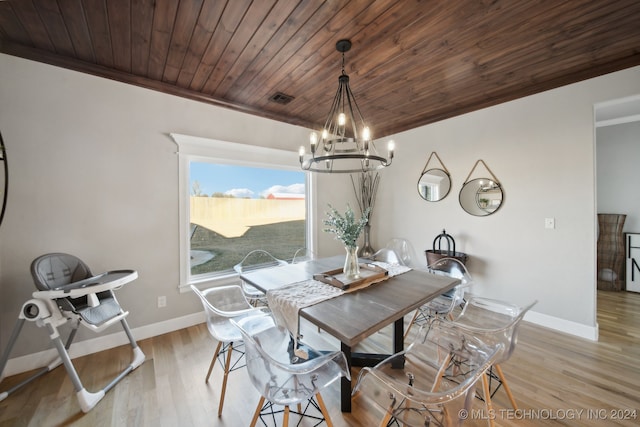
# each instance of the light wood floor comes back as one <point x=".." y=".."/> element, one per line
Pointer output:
<point x="557" y="380"/>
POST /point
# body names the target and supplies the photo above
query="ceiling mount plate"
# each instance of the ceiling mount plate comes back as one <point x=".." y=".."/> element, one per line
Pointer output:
<point x="343" y="45"/>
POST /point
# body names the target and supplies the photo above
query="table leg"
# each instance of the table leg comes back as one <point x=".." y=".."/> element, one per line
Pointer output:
<point x="345" y="383"/>
<point x="398" y="335"/>
<point x="398" y="343"/>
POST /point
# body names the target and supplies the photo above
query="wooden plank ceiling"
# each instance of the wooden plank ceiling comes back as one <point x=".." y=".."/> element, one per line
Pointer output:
<point x="412" y="62"/>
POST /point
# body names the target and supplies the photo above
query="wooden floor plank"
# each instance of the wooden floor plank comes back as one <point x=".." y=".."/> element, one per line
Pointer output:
<point x="557" y="379"/>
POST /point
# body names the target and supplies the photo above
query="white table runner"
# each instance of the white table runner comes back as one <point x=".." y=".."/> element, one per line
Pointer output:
<point x="393" y="269"/>
<point x="286" y="301"/>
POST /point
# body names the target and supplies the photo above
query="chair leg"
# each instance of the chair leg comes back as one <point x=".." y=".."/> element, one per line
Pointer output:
<point x="503" y="380"/>
<point x="86" y="399"/>
<point x="285" y="419"/>
<point x="213" y="361"/>
<point x="487" y="398"/>
<point x="386" y="419"/>
<point x="224" y="380"/>
<point x="323" y="409"/>
<point x="413" y="319"/>
<point x="441" y="372"/>
<point x="256" y="414"/>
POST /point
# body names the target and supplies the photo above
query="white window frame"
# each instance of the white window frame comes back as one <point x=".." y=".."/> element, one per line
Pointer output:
<point x="193" y="148"/>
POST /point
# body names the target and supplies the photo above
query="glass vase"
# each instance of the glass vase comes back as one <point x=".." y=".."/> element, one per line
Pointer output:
<point x="351" y="268"/>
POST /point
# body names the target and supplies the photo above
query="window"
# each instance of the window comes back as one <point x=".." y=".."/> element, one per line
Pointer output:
<point x="232" y="203"/>
<point x="235" y="209"/>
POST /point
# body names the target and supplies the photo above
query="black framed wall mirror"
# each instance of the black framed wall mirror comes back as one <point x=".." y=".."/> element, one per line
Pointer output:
<point x="434" y="184"/>
<point x="481" y="196"/>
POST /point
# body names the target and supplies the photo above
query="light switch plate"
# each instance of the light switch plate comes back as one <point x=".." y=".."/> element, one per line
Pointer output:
<point x="550" y="223"/>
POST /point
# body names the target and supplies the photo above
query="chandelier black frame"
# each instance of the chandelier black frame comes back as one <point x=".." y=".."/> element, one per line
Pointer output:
<point x="345" y="144"/>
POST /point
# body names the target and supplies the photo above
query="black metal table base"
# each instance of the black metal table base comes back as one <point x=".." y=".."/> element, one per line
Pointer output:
<point x="367" y="359"/>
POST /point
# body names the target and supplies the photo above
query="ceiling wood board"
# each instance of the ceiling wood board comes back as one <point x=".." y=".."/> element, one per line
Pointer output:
<point x="412" y="62"/>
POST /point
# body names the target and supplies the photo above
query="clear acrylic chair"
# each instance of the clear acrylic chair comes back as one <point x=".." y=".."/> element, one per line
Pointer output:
<point x="221" y="304"/>
<point x="284" y="379"/>
<point x="432" y="382"/>
<point x="302" y="255"/>
<point x="443" y="305"/>
<point x="494" y="322"/>
<point x="403" y="249"/>
<point x="255" y="260"/>
<point x="388" y="256"/>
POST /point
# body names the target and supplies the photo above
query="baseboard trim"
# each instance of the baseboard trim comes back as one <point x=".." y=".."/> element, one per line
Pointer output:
<point x="82" y="348"/>
<point x="563" y="325"/>
<point x="36" y="360"/>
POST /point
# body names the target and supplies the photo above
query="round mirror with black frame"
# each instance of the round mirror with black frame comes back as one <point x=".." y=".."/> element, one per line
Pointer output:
<point x="481" y="196"/>
<point x="434" y="184"/>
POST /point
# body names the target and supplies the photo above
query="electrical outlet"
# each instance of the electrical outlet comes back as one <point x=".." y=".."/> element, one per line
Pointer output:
<point x="162" y="301"/>
<point x="550" y="223"/>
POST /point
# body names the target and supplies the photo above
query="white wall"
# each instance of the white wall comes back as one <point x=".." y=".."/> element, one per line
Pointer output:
<point x="541" y="148"/>
<point x="618" y="154"/>
<point x="83" y="150"/>
<point x="88" y="159"/>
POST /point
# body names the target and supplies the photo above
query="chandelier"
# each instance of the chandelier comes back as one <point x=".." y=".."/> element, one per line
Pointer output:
<point x="345" y="144"/>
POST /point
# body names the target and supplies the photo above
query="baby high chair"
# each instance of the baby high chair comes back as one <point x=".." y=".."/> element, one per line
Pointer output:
<point x="68" y="291"/>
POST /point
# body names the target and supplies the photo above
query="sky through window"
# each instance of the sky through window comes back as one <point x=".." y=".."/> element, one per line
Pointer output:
<point x="243" y="181"/>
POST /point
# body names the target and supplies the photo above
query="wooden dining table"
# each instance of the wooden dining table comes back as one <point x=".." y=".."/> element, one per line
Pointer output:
<point x="353" y="316"/>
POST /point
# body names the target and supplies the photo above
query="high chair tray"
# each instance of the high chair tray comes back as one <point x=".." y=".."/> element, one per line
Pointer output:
<point x="102" y="282"/>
